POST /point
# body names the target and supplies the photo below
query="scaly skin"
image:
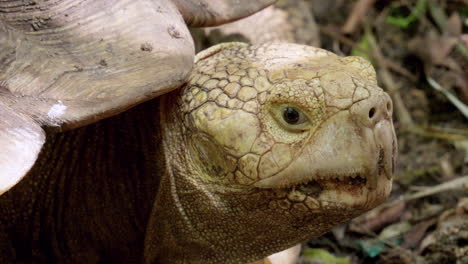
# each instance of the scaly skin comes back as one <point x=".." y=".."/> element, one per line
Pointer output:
<point x="219" y="176"/>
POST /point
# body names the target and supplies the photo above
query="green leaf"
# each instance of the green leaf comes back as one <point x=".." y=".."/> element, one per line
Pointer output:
<point x="371" y="248"/>
<point x="403" y="22"/>
<point x="464" y="11"/>
<point x="395" y="230"/>
<point x="322" y="256"/>
<point x="363" y="47"/>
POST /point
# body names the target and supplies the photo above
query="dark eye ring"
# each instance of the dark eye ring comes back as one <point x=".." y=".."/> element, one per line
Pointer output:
<point x="291" y="115"/>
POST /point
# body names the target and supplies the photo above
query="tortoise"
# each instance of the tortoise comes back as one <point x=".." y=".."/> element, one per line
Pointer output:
<point x="262" y="147"/>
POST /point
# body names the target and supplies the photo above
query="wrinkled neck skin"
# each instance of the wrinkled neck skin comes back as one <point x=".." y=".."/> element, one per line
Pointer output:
<point x="198" y="221"/>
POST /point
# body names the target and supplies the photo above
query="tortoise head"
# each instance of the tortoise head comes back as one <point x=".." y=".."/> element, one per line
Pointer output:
<point x="284" y="141"/>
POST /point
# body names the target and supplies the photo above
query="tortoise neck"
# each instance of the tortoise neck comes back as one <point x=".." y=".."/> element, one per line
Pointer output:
<point x="105" y="175"/>
<point x="169" y="235"/>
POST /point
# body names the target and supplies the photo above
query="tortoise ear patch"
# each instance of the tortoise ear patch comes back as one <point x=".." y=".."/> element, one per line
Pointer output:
<point x="21" y="140"/>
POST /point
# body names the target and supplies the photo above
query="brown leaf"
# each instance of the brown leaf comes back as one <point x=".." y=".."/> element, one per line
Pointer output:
<point x="464" y="38"/>
<point x="377" y="218"/>
<point x="440" y="48"/>
<point x="414" y="236"/>
<point x="427" y="241"/>
<point x="436" y="48"/>
<point x="454" y="25"/>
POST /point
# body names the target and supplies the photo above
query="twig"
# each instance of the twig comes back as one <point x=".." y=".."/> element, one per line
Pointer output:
<point x="454" y="100"/>
<point x="355" y="18"/>
<point x="449" y="134"/>
<point x="458" y="183"/>
<point x="455" y="184"/>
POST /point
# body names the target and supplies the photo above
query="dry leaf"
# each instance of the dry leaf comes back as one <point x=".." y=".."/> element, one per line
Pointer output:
<point x="377" y="218"/>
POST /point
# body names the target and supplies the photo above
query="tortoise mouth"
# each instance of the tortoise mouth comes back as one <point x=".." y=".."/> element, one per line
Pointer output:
<point x="335" y="192"/>
<point x="314" y="187"/>
<point x="324" y="194"/>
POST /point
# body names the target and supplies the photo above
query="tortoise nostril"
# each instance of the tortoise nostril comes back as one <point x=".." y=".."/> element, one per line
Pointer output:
<point x="371" y="112"/>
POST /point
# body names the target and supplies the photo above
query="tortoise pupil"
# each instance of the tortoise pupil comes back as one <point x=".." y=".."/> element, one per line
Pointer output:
<point x="291" y="115"/>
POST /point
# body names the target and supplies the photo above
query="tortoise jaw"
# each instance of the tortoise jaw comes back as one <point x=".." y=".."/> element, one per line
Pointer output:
<point x="317" y="185"/>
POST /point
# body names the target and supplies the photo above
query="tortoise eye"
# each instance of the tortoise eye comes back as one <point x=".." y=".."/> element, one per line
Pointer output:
<point x="293" y="116"/>
<point x="290" y="115"/>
